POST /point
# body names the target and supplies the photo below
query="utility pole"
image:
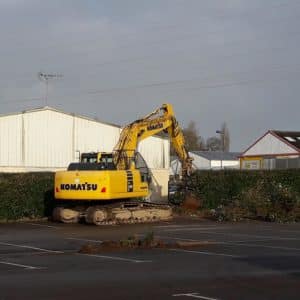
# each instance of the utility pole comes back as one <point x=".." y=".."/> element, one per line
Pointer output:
<point x="45" y="77"/>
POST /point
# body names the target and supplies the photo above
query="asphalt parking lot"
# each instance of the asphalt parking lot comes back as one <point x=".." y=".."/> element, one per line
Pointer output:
<point x="246" y="261"/>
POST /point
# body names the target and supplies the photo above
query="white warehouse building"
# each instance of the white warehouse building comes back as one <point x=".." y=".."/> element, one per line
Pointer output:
<point x="47" y="139"/>
<point x="208" y="160"/>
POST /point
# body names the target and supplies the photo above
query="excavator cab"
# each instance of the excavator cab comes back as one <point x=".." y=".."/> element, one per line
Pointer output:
<point x="141" y="165"/>
<point x="96" y="157"/>
<point x="103" y="159"/>
<point x="92" y="157"/>
<point x="94" y="161"/>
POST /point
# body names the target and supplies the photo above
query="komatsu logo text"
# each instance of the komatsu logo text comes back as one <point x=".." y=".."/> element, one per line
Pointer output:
<point x="79" y="187"/>
<point x="155" y="126"/>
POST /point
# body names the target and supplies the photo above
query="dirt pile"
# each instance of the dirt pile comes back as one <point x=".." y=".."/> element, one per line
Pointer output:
<point x="191" y="203"/>
<point x="133" y="242"/>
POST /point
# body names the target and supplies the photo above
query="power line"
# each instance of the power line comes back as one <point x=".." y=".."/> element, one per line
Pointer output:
<point x="21" y="100"/>
<point x="134" y="59"/>
<point x="245" y="82"/>
<point x="185" y="37"/>
<point x="208" y="86"/>
<point x="205" y="17"/>
<point x="261" y="36"/>
<point x="175" y="82"/>
<point x="225" y="57"/>
<point x="234" y="43"/>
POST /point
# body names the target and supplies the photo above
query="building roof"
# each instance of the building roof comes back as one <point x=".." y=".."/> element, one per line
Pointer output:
<point x="290" y="137"/>
<point x="44" y="108"/>
<point x="217" y="155"/>
<point x="161" y="136"/>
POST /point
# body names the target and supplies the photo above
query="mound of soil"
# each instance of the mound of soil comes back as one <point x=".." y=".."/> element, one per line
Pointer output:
<point x="131" y="244"/>
<point x="191" y="203"/>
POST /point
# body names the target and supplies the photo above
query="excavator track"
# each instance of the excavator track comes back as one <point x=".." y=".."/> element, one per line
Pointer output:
<point x="127" y="213"/>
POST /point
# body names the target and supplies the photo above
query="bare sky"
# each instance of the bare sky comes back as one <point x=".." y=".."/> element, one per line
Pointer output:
<point x="214" y="60"/>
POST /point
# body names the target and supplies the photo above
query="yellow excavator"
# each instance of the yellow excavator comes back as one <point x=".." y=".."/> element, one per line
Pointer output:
<point x="109" y="188"/>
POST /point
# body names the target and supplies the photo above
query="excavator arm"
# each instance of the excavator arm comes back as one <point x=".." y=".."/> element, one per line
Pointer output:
<point x="162" y="119"/>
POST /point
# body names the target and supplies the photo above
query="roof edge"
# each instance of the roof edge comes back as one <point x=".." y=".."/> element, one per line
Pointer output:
<point x="273" y="132"/>
<point x="49" y="108"/>
<point x="256" y="141"/>
<point x="271" y="155"/>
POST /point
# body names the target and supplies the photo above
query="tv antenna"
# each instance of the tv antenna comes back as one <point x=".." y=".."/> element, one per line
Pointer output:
<point x="45" y="77"/>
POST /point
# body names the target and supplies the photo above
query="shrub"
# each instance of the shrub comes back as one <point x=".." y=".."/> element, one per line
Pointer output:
<point x="25" y="195"/>
<point x="233" y="195"/>
<point x="228" y="195"/>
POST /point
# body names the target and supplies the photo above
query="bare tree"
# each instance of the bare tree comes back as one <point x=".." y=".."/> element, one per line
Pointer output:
<point x="193" y="140"/>
<point x="225" y="137"/>
<point x="214" y="144"/>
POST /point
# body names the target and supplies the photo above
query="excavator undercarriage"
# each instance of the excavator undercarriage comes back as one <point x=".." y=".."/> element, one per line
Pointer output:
<point x="109" y="214"/>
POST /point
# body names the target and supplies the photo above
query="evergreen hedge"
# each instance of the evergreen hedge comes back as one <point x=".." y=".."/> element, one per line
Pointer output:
<point x="25" y="195"/>
<point x="225" y="195"/>
<point x="232" y="195"/>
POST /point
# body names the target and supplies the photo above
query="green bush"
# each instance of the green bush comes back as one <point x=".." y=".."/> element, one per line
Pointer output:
<point x="228" y="195"/>
<point x="25" y="195"/>
<point x="233" y="195"/>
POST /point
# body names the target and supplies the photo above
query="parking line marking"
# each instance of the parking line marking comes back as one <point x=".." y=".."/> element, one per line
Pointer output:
<point x="174" y="238"/>
<point x="213" y="242"/>
<point x="30" y="247"/>
<point x="193" y="240"/>
<point x="269" y="237"/>
<point x="116" y="258"/>
<point x="194" y="295"/>
<point x="43" y="225"/>
<point x="84" y="240"/>
<point x="194" y="228"/>
<point x="236" y="243"/>
<point x="19" y="265"/>
<point x="188" y="225"/>
<point x="260" y="246"/>
<point x="204" y="252"/>
<point x="183" y="239"/>
<point x="171" y="238"/>
<point x="168" y="226"/>
<point x="292" y="231"/>
<point x="279" y="230"/>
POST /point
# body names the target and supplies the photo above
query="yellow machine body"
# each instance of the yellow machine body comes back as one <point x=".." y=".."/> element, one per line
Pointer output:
<point x="120" y="174"/>
<point x="99" y="185"/>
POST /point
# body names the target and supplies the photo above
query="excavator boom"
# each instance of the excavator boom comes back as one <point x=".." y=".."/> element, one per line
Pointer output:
<point x="160" y="120"/>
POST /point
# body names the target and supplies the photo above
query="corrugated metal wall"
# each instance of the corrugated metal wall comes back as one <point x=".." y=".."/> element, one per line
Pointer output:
<point x="49" y="139"/>
<point x="11" y="140"/>
<point x="94" y="136"/>
<point x="156" y="151"/>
